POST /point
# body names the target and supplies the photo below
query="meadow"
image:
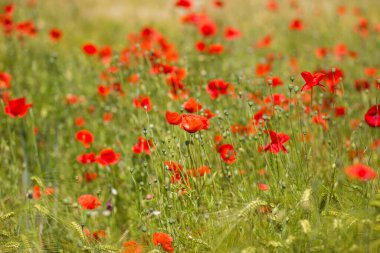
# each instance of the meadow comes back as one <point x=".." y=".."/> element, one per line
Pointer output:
<point x="242" y="126"/>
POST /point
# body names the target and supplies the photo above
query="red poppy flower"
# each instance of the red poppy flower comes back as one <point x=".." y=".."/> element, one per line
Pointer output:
<point x="132" y="247"/>
<point x="17" y="107"/>
<point x="276" y="81"/>
<point x="86" y="158"/>
<point x="263" y="187"/>
<point x="201" y="46"/>
<point x="372" y="117"/>
<point x="361" y="85"/>
<point x="134" y="78"/>
<point x="105" y="55"/>
<point x="312" y="80"/>
<point x="208" y="29"/>
<point x="90" y="176"/>
<point x="321" y="120"/>
<point x="98" y="235"/>
<point x="371" y="71"/>
<point x="173" y="118"/>
<point x="79" y="121"/>
<point x="186" y="4"/>
<point x="266" y="41"/>
<point x="228" y="153"/>
<point x="103" y="90"/>
<point x="36" y="192"/>
<point x="108" y="157"/>
<point x="194" y="123"/>
<point x="55" y="34"/>
<point x="262" y="69"/>
<point x="216" y="87"/>
<point x="332" y="78"/>
<point x="165" y="240"/>
<point x="90" y="49"/>
<point x="49" y="191"/>
<point x="218" y="3"/>
<point x="361" y="172"/>
<point x="231" y="33"/>
<point x="272" y="5"/>
<point x="143" y="145"/>
<point x="191" y="105"/>
<point x="296" y="25"/>
<point x="5" y="80"/>
<point x="142" y="102"/>
<point x="321" y="52"/>
<point x="199" y="172"/>
<point x="277" y="141"/>
<point x="209" y="114"/>
<point x="173" y="166"/>
<point x="89" y="202"/>
<point x="340" y="111"/>
<point x="85" y="137"/>
<point x="216" y="48"/>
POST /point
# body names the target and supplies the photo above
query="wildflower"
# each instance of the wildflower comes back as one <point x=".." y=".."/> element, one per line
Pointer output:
<point x="194" y="123"/>
<point x="142" y="102"/>
<point x="55" y="34"/>
<point x="262" y="69"/>
<point x="208" y="29"/>
<point x="90" y="49"/>
<point x="143" y="145"/>
<point x="360" y="172"/>
<point x="266" y="41"/>
<point x="5" y="80"/>
<point x="17" y="107"/>
<point x="186" y="4"/>
<point x="165" y="240"/>
<point x="191" y="105"/>
<point x="173" y="118"/>
<point x="201" y="46"/>
<point x="372" y="116"/>
<point x="231" y="33"/>
<point x="86" y="158"/>
<point x="89" y="202"/>
<point x="216" y="87"/>
<point x="216" y="48"/>
<point x="199" y="172"/>
<point x="85" y="137"/>
<point x="108" y="157"/>
<point x="312" y="80"/>
<point x="132" y="247"/>
<point x="228" y="153"/>
<point x="275" y="81"/>
<point x="277" y="141"/>
<point x="263" y="187"/>
<point x="296" y="25"/>
<point x="321" y="120"/>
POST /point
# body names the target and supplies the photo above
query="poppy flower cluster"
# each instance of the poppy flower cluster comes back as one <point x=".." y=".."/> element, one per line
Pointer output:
<point x="191" y="123"/>
<point x="217" y="87"/>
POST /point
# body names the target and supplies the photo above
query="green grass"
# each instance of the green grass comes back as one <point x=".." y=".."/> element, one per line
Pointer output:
<point x="314" y="206"/>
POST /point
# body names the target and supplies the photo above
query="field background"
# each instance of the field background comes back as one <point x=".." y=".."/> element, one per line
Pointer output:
<point x="315" y="208"/>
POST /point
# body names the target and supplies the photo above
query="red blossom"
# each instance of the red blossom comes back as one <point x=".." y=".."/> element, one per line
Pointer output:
<point x="361" y="172"/>
<point x="17" y="107"/>
<point x="277" y="141"/>
<point x="372" y="116"/>
<point x="89" y="202"/>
